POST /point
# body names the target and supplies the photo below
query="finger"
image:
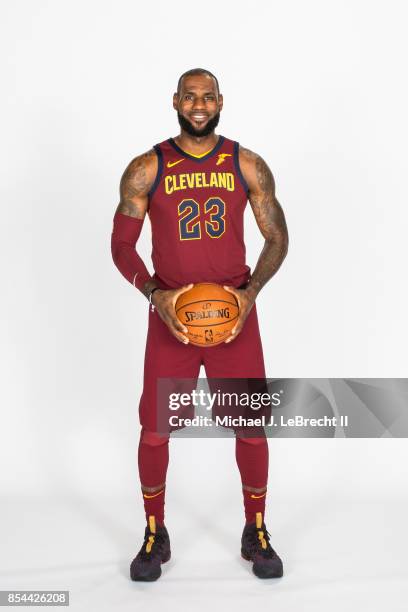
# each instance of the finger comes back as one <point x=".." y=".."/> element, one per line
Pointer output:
<point x="230" y="289"/>
<point x="180" y="291"/>
<point x="178" y="325"/>
<point x="239" y="324"/>
<point x="175" y="321"/>
<point x="182" y="338"/>
<point x="183" y="289"/>
<point x="234" y="293"/>
<point x="175" y="325"/>
<point x="235" y="330"/>
<point x="179" y="336"/>
<point x="232" y="337"/>
<point x="237" y="327"/>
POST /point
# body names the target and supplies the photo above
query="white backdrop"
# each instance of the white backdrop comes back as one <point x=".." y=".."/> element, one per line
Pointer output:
<point x="319" y="90"/>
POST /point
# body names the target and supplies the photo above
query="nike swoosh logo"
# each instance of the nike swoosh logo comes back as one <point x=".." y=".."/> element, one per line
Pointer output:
<point x="171" y="164"/>
<point x="151" y="496"/>
<point x="257" y="496"/>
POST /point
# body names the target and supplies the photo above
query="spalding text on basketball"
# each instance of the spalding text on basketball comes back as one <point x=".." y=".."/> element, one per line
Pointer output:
<point x="220" y="313"/>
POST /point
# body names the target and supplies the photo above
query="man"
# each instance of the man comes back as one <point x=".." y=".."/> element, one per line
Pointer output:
<point x="195" y="187"/>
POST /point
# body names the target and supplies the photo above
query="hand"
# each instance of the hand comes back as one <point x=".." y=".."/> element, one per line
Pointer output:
<point x="164" y="300"/>
<point x="245" y="299"/>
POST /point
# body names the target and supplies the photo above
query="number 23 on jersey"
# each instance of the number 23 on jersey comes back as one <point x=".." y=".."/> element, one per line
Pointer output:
<point x="195" y="218"/>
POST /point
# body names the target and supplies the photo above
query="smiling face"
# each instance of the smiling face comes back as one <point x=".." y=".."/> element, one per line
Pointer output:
<point x="198" y="104"/>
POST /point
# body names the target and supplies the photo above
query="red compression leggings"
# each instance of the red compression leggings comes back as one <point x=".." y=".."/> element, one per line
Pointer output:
<point x="252" y="458"/>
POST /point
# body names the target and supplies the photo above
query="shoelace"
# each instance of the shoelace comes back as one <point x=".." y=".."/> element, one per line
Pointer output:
<point x="147" y="550"/>
<point x="263" y="538"/>
<point x="263" y="541"/>
<point x="259" y="542"/>
<point x="149" y="543"/>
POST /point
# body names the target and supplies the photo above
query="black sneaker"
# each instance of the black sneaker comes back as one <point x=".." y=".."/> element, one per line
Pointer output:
<point x="255" y="547"/>
<point x="155" y="551"/>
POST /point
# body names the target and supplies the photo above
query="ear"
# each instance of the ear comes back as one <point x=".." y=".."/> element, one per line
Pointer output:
<point x="220" y="101"/>
<point x="175" y="101"/>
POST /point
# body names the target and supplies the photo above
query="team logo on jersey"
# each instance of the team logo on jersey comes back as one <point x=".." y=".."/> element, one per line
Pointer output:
<point x="171" y="164"/>
<point x="221" y="158"/>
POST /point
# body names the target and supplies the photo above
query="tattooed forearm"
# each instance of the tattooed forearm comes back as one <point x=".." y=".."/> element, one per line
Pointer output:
<point x="269" y="217"/>
<point x="135" y="184"/>
<point x="269" y="262"/>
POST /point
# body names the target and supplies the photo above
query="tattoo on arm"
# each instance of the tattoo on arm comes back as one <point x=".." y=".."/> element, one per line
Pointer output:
<point x="135" y="185"/>
<point x="270" y="219"/>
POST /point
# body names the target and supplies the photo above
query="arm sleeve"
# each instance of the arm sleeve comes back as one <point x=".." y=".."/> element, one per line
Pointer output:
<point x="126" y="231"/>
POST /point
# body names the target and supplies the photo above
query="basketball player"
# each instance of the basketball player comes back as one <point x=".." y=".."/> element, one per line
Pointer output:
<point x="194" y="188"/>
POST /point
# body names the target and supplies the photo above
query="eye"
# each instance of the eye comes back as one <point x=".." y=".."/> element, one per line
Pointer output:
<point x="187" y="96"/>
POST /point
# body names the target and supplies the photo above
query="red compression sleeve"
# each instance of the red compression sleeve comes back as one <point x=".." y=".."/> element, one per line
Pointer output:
<point x="126" y="231"/>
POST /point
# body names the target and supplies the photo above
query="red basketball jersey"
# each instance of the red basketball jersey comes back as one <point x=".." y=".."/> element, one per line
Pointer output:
<point x="196" y="208"/>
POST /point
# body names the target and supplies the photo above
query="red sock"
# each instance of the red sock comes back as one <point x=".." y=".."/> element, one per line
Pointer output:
<point x="252" y="455"/>
<point x="253" y="503"/>
<point x="153" y="460"/>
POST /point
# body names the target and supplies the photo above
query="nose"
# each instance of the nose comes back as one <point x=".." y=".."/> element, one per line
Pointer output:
<point x="198" y="104"/>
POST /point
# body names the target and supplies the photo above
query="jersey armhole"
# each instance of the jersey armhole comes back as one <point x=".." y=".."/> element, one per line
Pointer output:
<point x="238" y="168"/>
<point x="158" y="174"/>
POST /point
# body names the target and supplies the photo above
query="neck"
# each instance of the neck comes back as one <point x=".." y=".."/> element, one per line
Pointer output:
<point x="196" y="144"/>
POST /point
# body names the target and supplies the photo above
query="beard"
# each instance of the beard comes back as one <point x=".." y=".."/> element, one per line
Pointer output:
<point x="198" y="132"/>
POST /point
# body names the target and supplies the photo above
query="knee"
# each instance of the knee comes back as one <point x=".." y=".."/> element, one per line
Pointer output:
<point x="152" y="438"/>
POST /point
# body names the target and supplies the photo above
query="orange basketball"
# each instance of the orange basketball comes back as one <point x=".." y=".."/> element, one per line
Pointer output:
<point x="209" y="312"/>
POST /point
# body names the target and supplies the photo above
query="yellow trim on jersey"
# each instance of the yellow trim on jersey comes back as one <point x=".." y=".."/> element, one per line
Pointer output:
<point x="201" y="154"/>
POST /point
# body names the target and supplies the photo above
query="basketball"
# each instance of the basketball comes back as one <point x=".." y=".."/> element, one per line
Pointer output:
<point x="209" y="312"/>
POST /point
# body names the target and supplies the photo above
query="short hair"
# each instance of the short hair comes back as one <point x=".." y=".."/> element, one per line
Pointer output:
<point x="195" y="71"/>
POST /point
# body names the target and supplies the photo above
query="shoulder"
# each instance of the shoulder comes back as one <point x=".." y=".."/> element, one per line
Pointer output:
<point x="256" y="171"/>
<point x="140" y="172"/>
